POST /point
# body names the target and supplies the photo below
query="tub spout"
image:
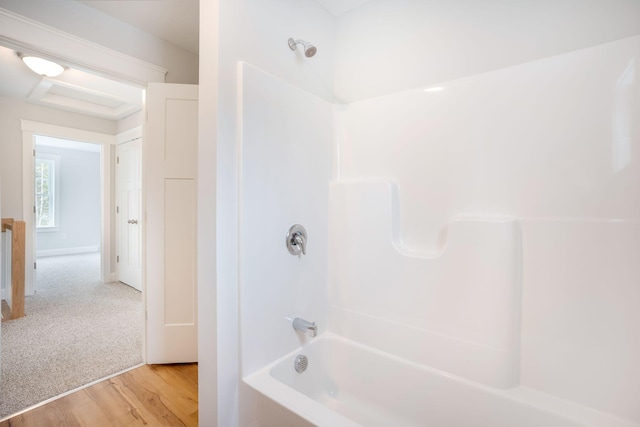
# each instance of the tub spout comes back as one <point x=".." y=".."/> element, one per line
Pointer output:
<point x="305" y="326"/>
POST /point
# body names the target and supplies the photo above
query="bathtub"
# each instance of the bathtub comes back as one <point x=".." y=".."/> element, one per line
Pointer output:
<point x="347" y="384"/>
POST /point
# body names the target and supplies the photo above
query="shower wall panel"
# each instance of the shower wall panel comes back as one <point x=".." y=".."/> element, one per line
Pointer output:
<point x="457" y="310"/>
<point x="555" y="144"/>
<point x="285" y="150"/>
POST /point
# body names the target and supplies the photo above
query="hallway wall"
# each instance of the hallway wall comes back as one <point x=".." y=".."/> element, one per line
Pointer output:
<point x="78" y="225"/>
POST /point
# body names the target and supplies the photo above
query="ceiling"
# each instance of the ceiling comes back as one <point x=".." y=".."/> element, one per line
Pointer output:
<point x="74" y="90"/>
<point x="175" y="21"/>
<point x="78" y="91"/>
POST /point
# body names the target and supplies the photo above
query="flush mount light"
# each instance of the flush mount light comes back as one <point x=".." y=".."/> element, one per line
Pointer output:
<point x="42" y="66"/>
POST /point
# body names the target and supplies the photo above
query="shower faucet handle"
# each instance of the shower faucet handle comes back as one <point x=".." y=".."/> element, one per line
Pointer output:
<point x="296" y="240"/>
<point x="300" y="241"/>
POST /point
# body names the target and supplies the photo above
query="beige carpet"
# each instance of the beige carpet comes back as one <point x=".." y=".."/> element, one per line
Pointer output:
<point x="76" y="331"/>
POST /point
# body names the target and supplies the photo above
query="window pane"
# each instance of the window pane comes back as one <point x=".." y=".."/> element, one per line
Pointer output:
<point x="44" y="173"/>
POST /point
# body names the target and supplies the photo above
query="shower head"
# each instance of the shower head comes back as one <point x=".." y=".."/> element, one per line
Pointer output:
<point x="309" y="49"/>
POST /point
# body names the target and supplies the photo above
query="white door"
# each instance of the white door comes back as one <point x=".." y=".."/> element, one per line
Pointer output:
<point x="169" y="178"/>
<point x="129" y="186"/>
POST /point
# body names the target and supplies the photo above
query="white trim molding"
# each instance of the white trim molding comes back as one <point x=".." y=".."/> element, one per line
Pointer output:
<point x="26" y="35"/>
<point x="66" y="133"/>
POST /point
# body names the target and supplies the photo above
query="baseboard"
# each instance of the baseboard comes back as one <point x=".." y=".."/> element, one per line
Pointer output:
<point x="67" y="251"/>
<point x="3" y="294"/>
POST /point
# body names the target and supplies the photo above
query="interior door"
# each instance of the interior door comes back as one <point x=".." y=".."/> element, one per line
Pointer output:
<point x="169" y="179"/>
<point x="129" y="185"/>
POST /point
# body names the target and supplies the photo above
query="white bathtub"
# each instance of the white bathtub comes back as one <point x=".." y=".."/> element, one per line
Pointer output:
<point x="347" y="384"/>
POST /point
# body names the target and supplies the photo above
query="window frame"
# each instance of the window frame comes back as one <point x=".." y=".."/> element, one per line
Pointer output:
<point x="54" y="161"/>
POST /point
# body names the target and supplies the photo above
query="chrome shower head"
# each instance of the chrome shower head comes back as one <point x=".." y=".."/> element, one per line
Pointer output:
<point x="309" y="49"/>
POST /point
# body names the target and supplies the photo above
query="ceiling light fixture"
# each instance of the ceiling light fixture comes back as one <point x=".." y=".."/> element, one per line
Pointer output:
<point x="42" y="66"/>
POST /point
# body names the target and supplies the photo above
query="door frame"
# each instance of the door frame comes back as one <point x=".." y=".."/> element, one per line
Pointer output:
<point x="30" y="130"/>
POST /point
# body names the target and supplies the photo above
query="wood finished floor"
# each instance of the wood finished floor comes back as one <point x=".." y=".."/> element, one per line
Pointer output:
<point x="152" y="395"/>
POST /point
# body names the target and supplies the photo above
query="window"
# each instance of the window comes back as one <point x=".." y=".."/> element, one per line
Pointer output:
<point x="46" y="186"/>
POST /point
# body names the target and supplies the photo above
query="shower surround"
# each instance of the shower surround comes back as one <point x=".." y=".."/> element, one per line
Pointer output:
<point x="472" y="241"/>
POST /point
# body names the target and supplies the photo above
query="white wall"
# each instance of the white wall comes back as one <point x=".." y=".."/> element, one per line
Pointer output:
<point x="208" y="384"/>
<point x="387" y="46"/>
<point x="79" y="211"/>
<point x="246" y="34"/>
<point x="93" y="25"/>
<point x="11" y="111"/>
<point x="130" y="122"/>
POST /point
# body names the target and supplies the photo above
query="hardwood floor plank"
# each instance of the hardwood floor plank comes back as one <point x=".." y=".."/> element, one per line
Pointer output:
<point x="85" y="410"/>
<point x="158" y="395"/>
<point x="119" y="408"/>
<point x="181" y="394"/>
<point x="138" y="388"/>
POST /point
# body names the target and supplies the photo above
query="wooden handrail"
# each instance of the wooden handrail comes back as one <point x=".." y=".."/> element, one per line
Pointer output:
<point x="18" y="230"/>
<point x="7" y="224"/>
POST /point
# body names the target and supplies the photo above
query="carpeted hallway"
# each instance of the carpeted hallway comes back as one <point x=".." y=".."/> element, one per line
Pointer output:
<point x="76" y="331"/>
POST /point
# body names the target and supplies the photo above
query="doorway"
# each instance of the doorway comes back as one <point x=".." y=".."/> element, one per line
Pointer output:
<point x="83" y="323"/>
<point x="67" y="187"/>
<point x="104" y="143"/>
